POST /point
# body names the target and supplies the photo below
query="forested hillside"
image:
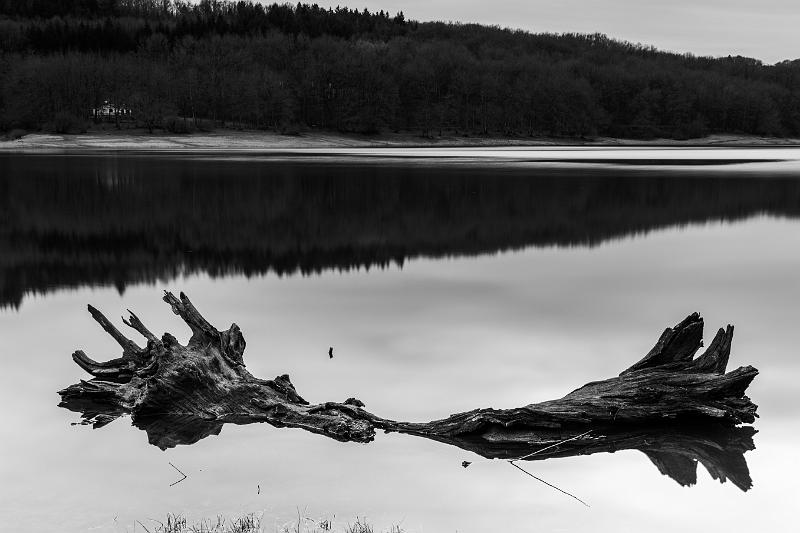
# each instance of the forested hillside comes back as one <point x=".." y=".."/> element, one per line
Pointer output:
<point x="184" y="66"/>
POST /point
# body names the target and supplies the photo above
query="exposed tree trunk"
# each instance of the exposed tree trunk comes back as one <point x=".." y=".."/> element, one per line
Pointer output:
<point x="676" y="408"/>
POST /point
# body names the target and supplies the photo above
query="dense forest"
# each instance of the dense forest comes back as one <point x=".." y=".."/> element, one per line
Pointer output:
<point x="68" y="221"/>
<point x="186" y="66"/>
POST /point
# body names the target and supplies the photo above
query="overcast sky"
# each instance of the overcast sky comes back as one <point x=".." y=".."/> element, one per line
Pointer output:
<point x="765" y="29"/>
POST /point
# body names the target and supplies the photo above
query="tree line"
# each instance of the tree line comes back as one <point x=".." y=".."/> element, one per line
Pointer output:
<point x="282" y="67"/>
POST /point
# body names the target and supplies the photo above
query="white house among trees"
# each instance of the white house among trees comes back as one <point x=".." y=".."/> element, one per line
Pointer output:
<point x="109" y="111"/>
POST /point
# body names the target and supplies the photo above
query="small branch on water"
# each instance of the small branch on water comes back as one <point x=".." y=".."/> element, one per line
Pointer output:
<point x="550" y="447"/>
<point x="548" y="484"/>
<point x="511" y="461"/>
<point x="143" y="526"/>
<point x="181" y="473"/>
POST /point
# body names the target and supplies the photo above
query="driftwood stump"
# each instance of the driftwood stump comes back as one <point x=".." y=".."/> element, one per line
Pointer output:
<point x="677" y="408"/>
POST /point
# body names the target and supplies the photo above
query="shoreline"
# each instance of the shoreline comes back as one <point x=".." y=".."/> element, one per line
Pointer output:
<point x="254" y="141"/>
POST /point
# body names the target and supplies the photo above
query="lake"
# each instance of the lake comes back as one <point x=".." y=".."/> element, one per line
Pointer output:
<point x="444" y="280"/>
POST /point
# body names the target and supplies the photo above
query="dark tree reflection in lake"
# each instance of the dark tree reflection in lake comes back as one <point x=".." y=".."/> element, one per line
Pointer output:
<point x="442" y="288"/>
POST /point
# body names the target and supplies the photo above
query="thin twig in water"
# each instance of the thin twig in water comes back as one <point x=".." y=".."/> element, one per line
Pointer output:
<point x="548" y="484"/>
<point x="551" y="446"/>
<point x="181" y="473"/>
<point x="145" y="528"/>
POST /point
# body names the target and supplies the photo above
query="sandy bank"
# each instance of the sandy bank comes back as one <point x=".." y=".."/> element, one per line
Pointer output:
<point x="266" y="141"/>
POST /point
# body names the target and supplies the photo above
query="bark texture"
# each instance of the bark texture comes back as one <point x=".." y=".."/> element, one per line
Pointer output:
<point x="677" y="408"/>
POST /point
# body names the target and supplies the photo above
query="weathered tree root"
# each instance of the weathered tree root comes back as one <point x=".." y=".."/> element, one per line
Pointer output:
<point x="676" y="408"/>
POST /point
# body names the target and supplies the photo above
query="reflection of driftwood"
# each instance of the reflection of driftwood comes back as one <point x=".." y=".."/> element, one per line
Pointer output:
<point x="675" y="449"/>
<point x="181" y="394"/>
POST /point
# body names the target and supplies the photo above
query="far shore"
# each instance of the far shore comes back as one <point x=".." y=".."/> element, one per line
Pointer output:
<point x="231" y="140"/>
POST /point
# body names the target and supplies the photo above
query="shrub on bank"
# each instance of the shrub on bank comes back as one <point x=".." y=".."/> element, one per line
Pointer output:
<point x="175" y="124"/>
<point x="65" y="122"/>
<point x="14" y="134"/>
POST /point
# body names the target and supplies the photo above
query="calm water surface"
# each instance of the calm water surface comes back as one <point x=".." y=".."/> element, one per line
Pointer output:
<point x="442" y="285"/>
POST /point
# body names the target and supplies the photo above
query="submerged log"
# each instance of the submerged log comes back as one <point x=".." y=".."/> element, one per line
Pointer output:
<point x="180" y="394"/>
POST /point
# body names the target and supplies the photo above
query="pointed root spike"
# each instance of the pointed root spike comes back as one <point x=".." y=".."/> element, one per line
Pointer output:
<point x="129" y="347"/>
<point x="135" y="323"/>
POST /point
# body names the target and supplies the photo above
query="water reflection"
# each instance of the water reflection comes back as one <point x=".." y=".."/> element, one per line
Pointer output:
<point x="116" y="221"/>
<point x="674" y="449"/>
